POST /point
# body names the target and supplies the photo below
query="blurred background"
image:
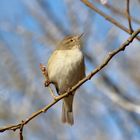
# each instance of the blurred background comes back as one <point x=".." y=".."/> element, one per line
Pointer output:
<point x="30" y="31"/>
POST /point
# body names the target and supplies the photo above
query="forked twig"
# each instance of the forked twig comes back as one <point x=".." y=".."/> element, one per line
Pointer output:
<point x="47" y="82"/>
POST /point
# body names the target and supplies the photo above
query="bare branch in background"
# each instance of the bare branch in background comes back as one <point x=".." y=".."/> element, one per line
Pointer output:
<point x="72" y="15"/>
<point x="45" y="23"/>
<point x="115" y="98"/>
<point x="49" y="13"/>
<point x="107" y="17"/>
<point x="120" y="12"/>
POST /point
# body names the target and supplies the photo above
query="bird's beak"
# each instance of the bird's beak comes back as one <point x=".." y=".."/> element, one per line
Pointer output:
<point x="80" y="35"/>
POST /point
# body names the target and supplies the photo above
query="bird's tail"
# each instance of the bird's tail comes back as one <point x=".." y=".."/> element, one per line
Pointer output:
<point x="67" y="111"/>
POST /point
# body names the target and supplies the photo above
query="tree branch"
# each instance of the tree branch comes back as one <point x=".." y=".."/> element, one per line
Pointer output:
<point x="107" y="17"/>
<point x="128" y="16"/>
<point x="119" y="12"/>
<point x="88" y="77"/>
<point x="21" y="130"/>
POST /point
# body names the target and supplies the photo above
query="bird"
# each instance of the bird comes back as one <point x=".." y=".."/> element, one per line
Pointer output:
<point x="66" y="67"/>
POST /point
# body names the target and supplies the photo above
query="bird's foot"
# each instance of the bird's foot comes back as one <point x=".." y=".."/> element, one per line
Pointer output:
<point x="69" y="91"/>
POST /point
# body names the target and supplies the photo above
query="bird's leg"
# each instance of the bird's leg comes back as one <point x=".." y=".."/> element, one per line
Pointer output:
<point x="47" y="81"/>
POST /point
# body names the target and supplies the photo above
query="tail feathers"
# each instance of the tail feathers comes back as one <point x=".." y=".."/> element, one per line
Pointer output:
<point x="67" y="115"/>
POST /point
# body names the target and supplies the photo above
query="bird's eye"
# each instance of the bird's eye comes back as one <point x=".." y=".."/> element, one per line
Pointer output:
<point x="71" y="40"/>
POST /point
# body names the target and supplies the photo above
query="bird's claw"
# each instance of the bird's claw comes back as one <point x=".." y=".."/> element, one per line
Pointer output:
<point x="69" y="91"/>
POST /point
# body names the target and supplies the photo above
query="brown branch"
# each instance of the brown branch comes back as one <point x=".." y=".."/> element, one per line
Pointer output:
<point x="88" y="77"/>
<point x="128" y="15"/>
<point x="119" y="12"/>
<point x="107" y="17"/>
<point x="21" y="130"/>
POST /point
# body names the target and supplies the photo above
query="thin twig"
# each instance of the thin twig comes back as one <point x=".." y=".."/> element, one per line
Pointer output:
<point x="107" y="17"/>
<point x="120" y="12"/>
<point x="88" y="77"/>
<point x="21" y="130"/>
<point x="128" y="15"/>
<point x="47" y="82"/>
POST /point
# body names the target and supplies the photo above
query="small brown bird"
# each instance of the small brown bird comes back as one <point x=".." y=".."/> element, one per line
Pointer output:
<point x="65" y="69"/>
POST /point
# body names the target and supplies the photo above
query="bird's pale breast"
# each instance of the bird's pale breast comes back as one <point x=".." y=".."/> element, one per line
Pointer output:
<point x="66" y="68"/>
